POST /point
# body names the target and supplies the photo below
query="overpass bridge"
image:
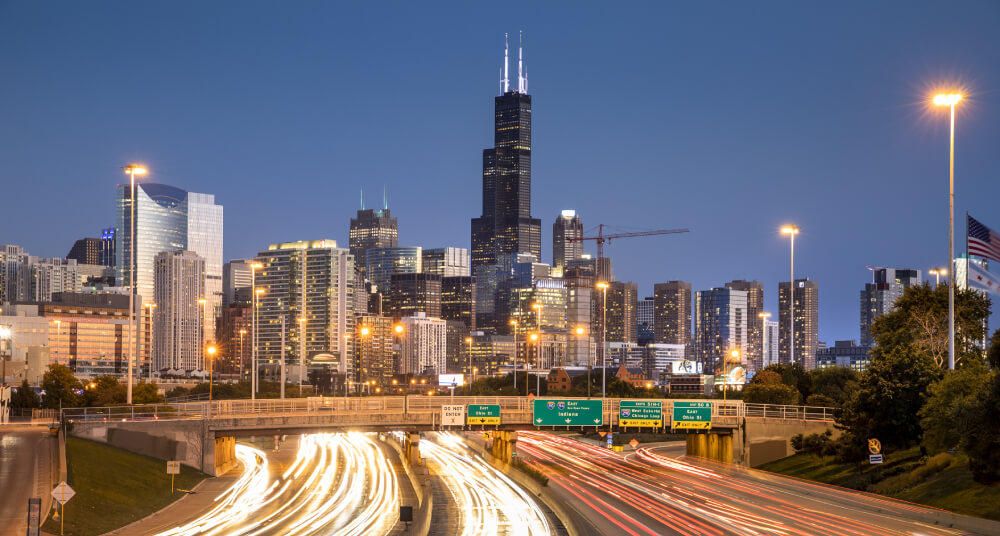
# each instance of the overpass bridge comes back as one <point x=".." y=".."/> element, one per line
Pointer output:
<point x="202" y="433"/>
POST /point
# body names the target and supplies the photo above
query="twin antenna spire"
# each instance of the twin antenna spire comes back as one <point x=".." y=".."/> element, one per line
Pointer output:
<point x="385" y="198"/>
<point x="522" y="72"/>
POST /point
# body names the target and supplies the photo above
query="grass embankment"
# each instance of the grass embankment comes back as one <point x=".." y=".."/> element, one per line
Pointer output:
<point x="115" y="487"/>
<point x="941" y="481"/>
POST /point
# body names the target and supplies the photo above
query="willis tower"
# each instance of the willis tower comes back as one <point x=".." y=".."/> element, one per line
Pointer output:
<point x="506" y="226"/>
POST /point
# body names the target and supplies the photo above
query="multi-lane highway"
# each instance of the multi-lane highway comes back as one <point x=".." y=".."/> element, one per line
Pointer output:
<point x="489" y="503"/>
<point x="650" y="493"/>
<point x="338" y="484"/>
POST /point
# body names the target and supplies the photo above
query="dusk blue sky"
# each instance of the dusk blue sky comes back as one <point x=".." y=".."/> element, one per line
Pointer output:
<point x="728" y="118"/>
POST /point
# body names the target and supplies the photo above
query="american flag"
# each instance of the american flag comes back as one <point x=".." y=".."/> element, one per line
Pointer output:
<point x="983" y="241"/>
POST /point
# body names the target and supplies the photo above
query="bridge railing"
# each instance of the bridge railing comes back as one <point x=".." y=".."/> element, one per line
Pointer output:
<point x="726" y="413"/>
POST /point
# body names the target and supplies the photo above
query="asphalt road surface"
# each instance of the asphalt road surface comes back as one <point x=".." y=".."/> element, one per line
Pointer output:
<point x="649" y="492"/>
<point x="26" y="454"/>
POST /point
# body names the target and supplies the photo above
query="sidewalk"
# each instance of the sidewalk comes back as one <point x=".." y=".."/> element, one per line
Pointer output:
<point x="185" y="509"/>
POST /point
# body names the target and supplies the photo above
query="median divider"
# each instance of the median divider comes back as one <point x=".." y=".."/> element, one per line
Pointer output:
<point x="420" y="482"/>
<point x="571" y="522"/>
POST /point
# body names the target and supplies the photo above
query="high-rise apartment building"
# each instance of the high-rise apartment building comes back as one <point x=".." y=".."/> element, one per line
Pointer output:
<point x="878" y="297"/>
<point x="312" y="280"/>
<point x="234" y="332"/>
<point x="806" y="315"/>
<point x="672" y="312"/>
<point x="771" y="338"/>
<point x="424" y="345"/>
<point x="720" y="317"/>
<point x="458" y="300"/>
<point x="179" y="338"/>
<point x="506" y="226"/>
<point x="50" y="276"/>
<point x="754" y="357"/>
<point x="15" y="274"/>
<point x="381" y="263"/>
<point x="375" y="346"/>
<point x="237" y="277"/>
<point x="446" y="262"/>
<point x="410" y="293"/>
<point x="579" y="315"/>
<point x="169" y="219"/>
<point x="621" y="312"/>
<point x="567" y="234"/>
<point x="372" y="228"/>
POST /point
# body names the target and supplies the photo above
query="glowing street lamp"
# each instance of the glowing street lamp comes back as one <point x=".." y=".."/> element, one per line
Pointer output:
<point x="468" y="340"/>
<point x="513" y="322"/>
<point x="950" y="100"/>
<point x="604" y="340"/>
<point x="210" y="350"/>
<point x="132" y="170"/>
<point x="937" y="273"/>
<point x="253" y="343"/>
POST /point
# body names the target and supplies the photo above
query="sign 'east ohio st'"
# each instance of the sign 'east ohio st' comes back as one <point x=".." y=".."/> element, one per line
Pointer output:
<point x="568" y="412"/>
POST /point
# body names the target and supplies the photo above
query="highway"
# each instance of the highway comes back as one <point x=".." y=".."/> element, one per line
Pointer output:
<point x="338" y="484"/>
<point x="26" y="454"/>
<point x="650" y="493"/>
<point x="489" y="503"/>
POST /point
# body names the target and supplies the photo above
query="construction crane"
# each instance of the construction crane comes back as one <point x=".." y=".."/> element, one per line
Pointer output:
<point x="601" y="238"/>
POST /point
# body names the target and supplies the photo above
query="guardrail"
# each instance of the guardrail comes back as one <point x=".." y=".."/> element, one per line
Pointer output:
<point x="725" y="412"/>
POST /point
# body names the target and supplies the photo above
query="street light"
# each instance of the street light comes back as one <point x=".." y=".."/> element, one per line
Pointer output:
<point x="152" y="333"/>
<point x="937" y="273"/>
<point x="132" y="170"/>
<point x="581" y="331"/>
<point x="513" y="322"/>
<point x="468" y="340"/>
<point x="302" y="351"/>
<point x="538" y="322"/>
<point x="364" y="331"/>
<point x="604" y="339"/>
<point x="791" y="231"/>
<point x="951" y="100"/>
<point x="535" y="339"/>
<point x="763" y="337"/>
<point x="211" y="354"/>
<point x="256" y="304"/>
<point x="242" y="333"/>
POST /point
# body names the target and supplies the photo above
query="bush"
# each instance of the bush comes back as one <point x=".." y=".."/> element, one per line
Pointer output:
<point x="530" y="471"/>
<point x="814" y="444"/>
<point x="907" y="480"/>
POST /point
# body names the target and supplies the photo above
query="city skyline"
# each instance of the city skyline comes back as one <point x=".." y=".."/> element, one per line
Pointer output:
<point x="845" y="178"/>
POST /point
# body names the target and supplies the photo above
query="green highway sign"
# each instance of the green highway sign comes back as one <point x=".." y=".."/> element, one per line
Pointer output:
<point x="641" y="413"/>
<point x="482" y="414"/>
<point x="564" y="412"/>
<point x="692" y="416"/>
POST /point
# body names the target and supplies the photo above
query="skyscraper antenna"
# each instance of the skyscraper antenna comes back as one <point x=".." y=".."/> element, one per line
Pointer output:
<point x="385" y="197"/>
<point x="506" y="63"/>
<point x="520" y="55"/>
<point x="362" y="198"/>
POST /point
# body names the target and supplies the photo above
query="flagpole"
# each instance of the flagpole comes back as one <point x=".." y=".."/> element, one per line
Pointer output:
<point x="967" y="260"/>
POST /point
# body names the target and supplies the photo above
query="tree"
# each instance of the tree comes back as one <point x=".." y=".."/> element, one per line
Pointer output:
<point x="793" y="375"/>
<point x="148" y="393"/>
<point x="766" y="387"/>
<point x="993" y="355"/>
<point x="982" y="441"/>
<point x="24" y="397"/>
<point x="59" y="385"/>
<point x="952" y="404"/>
<point x="833" y="385"/>
<point x="889" y="396"/>
<point x="103" y="391"/>
<point x="919" y="318"/>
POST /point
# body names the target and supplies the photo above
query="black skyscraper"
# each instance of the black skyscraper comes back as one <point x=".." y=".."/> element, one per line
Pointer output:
<point x="506" y="225"/>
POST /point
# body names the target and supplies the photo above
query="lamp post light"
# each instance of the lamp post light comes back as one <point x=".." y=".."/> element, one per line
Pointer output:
<point x="763" y="337"/>
<point x="302" y="351"/>
<point x="536" y="339"/>
<point x="513" y="322"/>
<point x="538" y="322"/>
<point x="951" y="100"/>
<point x="210" y="350"/>
<point x="152" y="333"/>
<point x="580" y="331"/>
<point x="365" y="331"/>
<point x="468" y="340"/>
<point x="604" y="337"/>
<point x="242" y="333"/>
<point x="254" y="380"/>
<point x="937" y="273"/>
<point x="132" y="170"/>
<point x="253" y="328"/>
<point x="791" y="231"/>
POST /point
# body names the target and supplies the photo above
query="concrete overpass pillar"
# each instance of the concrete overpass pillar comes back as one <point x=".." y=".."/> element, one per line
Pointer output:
<point x="411" y="448"/>
<point x="726" y="448"/>
<point x="713" y="446"/>
<point x="225" y="454"/>
<point x="504" y="445"/>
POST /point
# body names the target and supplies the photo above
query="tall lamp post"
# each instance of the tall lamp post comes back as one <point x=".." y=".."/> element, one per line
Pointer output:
<point x="365" y="331"/>
<point x="210" y="350"/>
<point x="302" y="351"/>
<point x="152" y="333"/>
<point x="468" y="340"/>
<point x="538" y="322"/>
<point x="535" y="338"/>
<point x="397" y="341"/>
<point x="580" y="331"/>
<point x="242" y="333"/>
<point x="254" y="380"/>
<point x="513" y="322"/>
<point x="951" y="100"/>
<point x="763" y="337"/>
<point x="604" y="337"/>
<point x="937" y="273"/>
<point x="253" y="328"/>
<point x="791" y="231"/>
<point x="132" y="171"/>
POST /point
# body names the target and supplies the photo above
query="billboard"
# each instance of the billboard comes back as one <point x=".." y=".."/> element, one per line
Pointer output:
<point x="685" y="366"/>
<point x="451" y="380"/>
